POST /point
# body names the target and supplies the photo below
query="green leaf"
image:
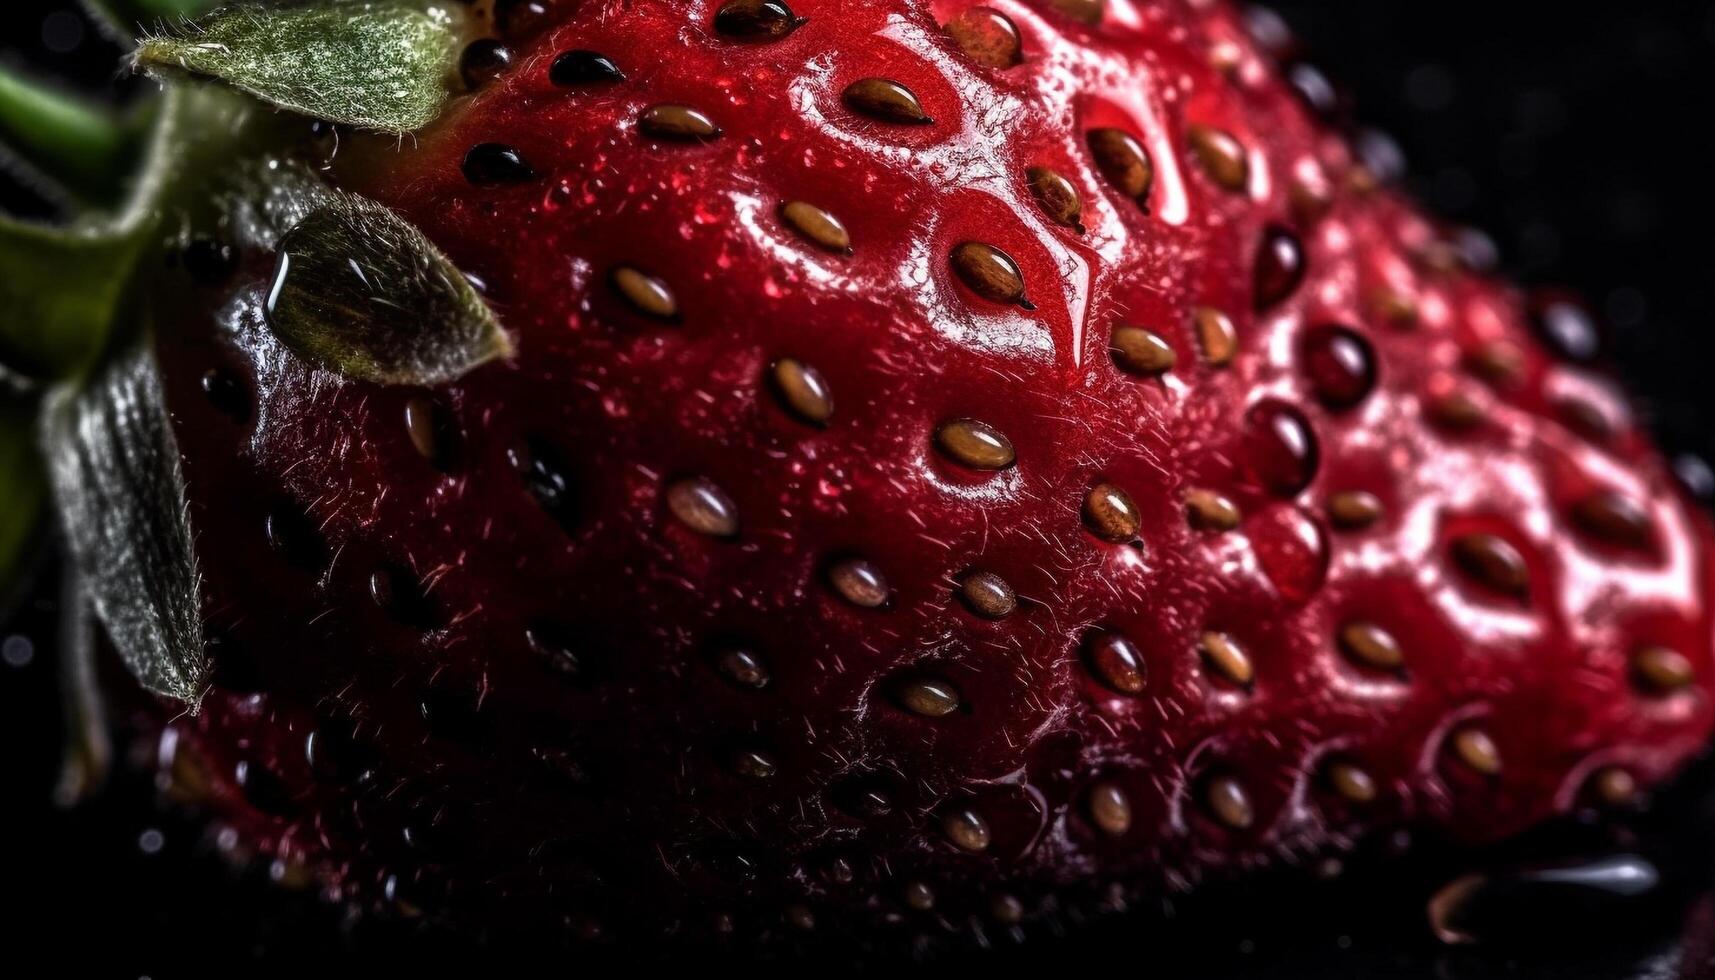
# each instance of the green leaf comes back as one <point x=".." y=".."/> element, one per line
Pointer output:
<point x="377" y="64"/>
<point x="360" y="291"/>
<point x="23" y="488"/>
<point x="116" y="476"/>
<point x="86" y="149"/>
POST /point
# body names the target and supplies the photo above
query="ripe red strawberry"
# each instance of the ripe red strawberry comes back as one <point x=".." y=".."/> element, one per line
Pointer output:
<point x="944" y="460"/>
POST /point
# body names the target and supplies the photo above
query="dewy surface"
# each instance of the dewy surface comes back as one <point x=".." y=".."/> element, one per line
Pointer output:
<point x="673" y="620"/>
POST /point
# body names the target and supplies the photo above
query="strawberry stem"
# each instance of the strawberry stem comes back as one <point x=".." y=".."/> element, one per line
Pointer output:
<point x="86" y="149"/>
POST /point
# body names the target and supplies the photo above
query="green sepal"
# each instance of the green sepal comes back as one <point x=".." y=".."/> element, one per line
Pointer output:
<point x="23" y="490"/>
<point x="384" y="65"/>
<point x="63" y="141"/>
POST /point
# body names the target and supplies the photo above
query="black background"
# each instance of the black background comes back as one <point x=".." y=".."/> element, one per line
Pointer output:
<point x="1573" y="134"/>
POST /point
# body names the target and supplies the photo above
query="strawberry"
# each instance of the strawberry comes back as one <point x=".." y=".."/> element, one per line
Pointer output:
<point x="887" y="468"/>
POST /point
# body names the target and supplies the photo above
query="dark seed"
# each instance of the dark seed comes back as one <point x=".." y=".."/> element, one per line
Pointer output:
<point x="1216" y="336"/>
<point x="1279" y="267"/>
<point x="987" y="37"/>
<point x="1123" y="161"/>
<point x="975" y="444"/>
<point x="886" y="100"/>
<point x="294" y="537"/>
<point x="431" y="430"/>
<point x="226" y="393"/>
<point x="494" y="165"/>
<point x="927" y="696"/>
<point x="756" y="20"/>
<point x="1116" y="662"/>
<point x="1228" y="802"/>
<point x="1110" y="514"/>
<point x="703" y="507"/>
<point x="991" y="273"/>
<point x="818" y="226"/>
<point x="1614" y="518"/>
<point x="1057" y="196"/>
<point x="1493" y="562"/>
<point x="483" y="61"/>
<point x="859" y="582"/>
<point x="802" y="390"/>
<point x="579" y="67"/>
<point x="967" y="829"/>
<point x="988" y="595"/>
<point x="1110" y="809"/>
<point x="1141" y="351"/>
<point x="1340" y="364"/>
<point x="1280" y="450"/>
<point x="743" y="668"/>
<point x="1368" y="645"/>
<point x="646" y="294"/>
<point x="1221" y="157"/>
<point x="1662" y="670"/>
<point x="548" y="478"/>
<point x="677" y="122"/>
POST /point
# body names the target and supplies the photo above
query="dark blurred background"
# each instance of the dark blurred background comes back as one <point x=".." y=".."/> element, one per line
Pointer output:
<point x="1573" y="135"/>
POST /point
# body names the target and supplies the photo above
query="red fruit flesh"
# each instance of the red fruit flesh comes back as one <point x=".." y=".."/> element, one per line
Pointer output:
<point x="648" y="629"/>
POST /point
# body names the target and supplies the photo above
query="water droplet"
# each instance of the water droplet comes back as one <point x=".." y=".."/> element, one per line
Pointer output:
<point x="886" y="100"/>
<point x="743" y="667"/>
<point x="1353" y="784"/>
<point x="756" y="20"/>
<point x="1292" y="550"/>
<point x="1211" y="511"/>
<point x="1110" y="514"/>
<point x="988" y="595"/>
<point x="1221" y="156"/>
<point x="1222" y="654"/>
<point x="677" y="122"/>
<point x="1662" y="670"/>
<point x="802" y="390"/>
<point x="929" y="697"/>
<point x="1110" y="809"/>
<point x="818" y="226"/>
<point x="966" y="829"/>
<point x="294" y="537"/>
<point x="1216" y="336"/>
<point x="1228" y="802"/>
<point x="1279" y="267"/>
<point x="1352" y="510"/>
<point x="495" y="165"/>
<point x="1475" y="748"/>
<point x="859" y="582"/>
<point x="431" y="430"/>
<point x="548" y="479"/>
<point x="1141" y="351"/>
<point x="226" y="393"/>
<point x="1123" y="161"/>
<point x="1340" y="364"/>
<point x="262" y="788"/>
<point x="987" y="37"/>
<point x="647" y="294"/>
<point x="1615" y="519"/>
<point x="1279" y="447"/>
<point x="400" y="594"/>
<point x="483" y="61"/>
<point x="1368" y="645"/>
<point x="581" y="67"/>
<point x="1057" y="196"/>
<point x="1115" y="661"/>
<point x="1493" y="562"/>
<point x="990" y="273"/>
<point x="703" y="507"/>
<point x="975" y="444"/>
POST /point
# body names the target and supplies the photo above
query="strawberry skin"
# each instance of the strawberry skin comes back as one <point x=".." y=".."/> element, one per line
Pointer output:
<point x="958" y="458"/>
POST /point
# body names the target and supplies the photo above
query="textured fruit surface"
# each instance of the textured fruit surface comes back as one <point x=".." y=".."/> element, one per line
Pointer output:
<point x="955" y="459"/>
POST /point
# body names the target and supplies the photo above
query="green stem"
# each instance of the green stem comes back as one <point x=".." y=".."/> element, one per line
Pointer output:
<point x="86" y="149"/>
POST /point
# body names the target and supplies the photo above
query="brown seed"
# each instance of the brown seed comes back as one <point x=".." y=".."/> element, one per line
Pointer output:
<point x="1614" y="786"/>
<point x="1352" y="783"/>
<point x="1123" y="161"/>
<point x="802" y="390"/>
<point x="988" y="595"/>
<point x="1586" y="420"/>
<point x="1110" y="514"/>
<point x="1116" y="661"/>
<point x="756" y="20"/>
<point x="1210" y="511"/>
<point x="743" y="668"/>
<point x="1057" y="196"/>
<point x="991" y="273"/>
<point x="1395" y="307"/>
<point x="647" y="294"/>
<point x="752" y="764"/>
<point x="1221" y="156"/>
<point x="1458" y="409"/>
<point x="1500" y="362"/>
<point x="1110" y="809"/>
<point x="818" y="226"/>
<point x="1493" y="562"/>
<point x="430" y="430"/>
<point x="1354" y="509"/>
<point x="967" y="829"/>
<point x="1614" y="518"/>
<point x="1216" y="336"/>
<point x="1086" y="11"/>
<point x="1368" y="645"/>
<point x="928" y="696"/>
<point x="1228" y="802"/>
<point x="1141" y="351"/>
<point x="1006" y="910"/>
<point x="886" y="100"/>
<point x="975" y="444"/>
<point x="919" y="896"/>
<point x="1662" y="670"/>
<point x="703" y="507"/>
<point x="1225" y="657"/>
<point x="987" y="37"/>
<point x="859" y="582"/>
<point x="1476" y="749"/>
<point x="677" y="122"/>
<point x="799" y="917"/>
